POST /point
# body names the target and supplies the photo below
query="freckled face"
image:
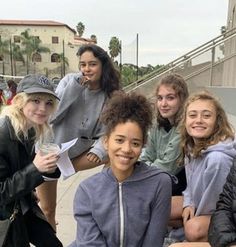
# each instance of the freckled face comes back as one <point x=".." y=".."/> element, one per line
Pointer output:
<point x="200" y="119"/>
<point x="124" y="147"/>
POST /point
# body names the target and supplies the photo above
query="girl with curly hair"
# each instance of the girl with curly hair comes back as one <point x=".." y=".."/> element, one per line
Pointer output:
<point x="127" y="203"/>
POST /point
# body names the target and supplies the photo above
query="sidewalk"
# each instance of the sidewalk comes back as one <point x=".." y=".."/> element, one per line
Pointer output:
<point x="66" y="228"/>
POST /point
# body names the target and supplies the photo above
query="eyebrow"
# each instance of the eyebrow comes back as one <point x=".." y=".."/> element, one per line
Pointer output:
<point x="201" y="111"/>
<point x="136" y="139"/>
<point x="170" y="94"/>
<point x="92" y="61"/>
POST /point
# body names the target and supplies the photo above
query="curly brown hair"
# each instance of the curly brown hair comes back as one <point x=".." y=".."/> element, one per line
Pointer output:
<point x="123" y="107"/>
<point x="222" y="131"/>
<point x="180" y="87"/>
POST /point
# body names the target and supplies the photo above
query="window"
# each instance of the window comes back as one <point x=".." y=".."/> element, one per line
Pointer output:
<point x="36" y="37"/>
<point x="16" y="39"/>
<point x="55" y="58"/>
<point x="36" y="57"/>
<point x="55" y="40"/>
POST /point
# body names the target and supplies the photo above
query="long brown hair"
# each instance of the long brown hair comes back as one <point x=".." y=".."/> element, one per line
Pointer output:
<point x="222" y="131"/>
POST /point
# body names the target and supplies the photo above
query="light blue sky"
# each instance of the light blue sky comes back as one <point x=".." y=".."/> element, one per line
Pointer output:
<point x="167" y="28"/>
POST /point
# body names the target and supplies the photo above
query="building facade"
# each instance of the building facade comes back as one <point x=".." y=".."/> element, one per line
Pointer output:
<point x="59" y="38"/>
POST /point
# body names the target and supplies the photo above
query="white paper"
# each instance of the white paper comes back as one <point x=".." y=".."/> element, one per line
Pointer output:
<point x="64" y="163"/>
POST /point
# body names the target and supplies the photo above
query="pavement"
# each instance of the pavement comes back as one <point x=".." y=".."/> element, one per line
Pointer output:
<point x="66" y="228"/>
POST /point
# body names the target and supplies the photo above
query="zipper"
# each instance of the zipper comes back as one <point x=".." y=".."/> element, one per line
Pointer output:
<point x="121" y="208"/>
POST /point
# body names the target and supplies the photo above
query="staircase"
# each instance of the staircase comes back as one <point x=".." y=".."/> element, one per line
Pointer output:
<point x="202" y="67"/>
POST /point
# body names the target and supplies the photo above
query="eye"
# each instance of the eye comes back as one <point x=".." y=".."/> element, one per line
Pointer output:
<point x="159" y="98"/>
<point x="206" y="115"/>
<point x="136" y="144"/>
<point x="192" y="115"/>
<point x="49" y="103"/>
<point x="119" y="140"/>
<point x="36" y="101"/>
<point x="170" y="97"/>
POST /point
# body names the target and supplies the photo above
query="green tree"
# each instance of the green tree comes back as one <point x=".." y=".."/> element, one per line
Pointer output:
<point x="80" y="28"/>
<point x="114" y="47"/>
<point x="64" y="62"/>
<point x="4" y="50"/>
<point x="128" y="74"/>
<point x="31" y="45"/>
<point x="17" y="55"/>
<point x="93" y="37"/>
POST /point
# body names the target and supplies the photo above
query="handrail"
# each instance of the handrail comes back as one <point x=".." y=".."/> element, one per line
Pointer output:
<point x="184" y="58"/>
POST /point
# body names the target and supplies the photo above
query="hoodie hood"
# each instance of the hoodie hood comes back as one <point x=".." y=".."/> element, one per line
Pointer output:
<point x="141" y="172"/>
<point x="228" y="147"/>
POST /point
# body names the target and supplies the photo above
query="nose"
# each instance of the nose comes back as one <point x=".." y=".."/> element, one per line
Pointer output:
<point x="126" y="147"/>
<point x="163" y="101"/>
<point x="42" y="106"/>
<point x="86" y="67"/>
<point x="199" y="118"/>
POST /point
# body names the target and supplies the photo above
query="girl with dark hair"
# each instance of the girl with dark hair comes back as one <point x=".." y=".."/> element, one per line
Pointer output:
<point x="127" y="203"/>
<point x="82" y="99"/>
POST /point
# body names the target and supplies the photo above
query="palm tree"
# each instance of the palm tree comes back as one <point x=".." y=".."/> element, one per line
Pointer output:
<point x="4" y="50"/>
<point x="93" y="37"/>
<point x="114" y="47"/>
<point x="80" y="28"/>
<point x="31" y="45"/>
<point x="17" y="55"/>
<point x="63" y="62"/>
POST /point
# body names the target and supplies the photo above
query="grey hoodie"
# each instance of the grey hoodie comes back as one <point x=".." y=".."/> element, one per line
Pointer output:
<point x="133" y="213"/>
<point x="206" y="176"/>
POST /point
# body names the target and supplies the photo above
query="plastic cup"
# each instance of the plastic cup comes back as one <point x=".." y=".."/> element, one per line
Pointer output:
<point x="47" y="148"/>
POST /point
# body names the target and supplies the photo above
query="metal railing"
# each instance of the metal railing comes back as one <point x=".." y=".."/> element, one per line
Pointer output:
<point x="198" y="67"/>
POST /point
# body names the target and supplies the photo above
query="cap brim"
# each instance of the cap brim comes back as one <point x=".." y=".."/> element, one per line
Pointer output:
<point x="40" y="90"/>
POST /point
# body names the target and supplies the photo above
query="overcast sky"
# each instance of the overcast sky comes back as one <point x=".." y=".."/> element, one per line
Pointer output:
<point x="167" y="28"/>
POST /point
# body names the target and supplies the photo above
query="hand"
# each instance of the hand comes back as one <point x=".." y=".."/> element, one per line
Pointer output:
<point x="46" y="163"/>
<point x="84" y="81"/>
<point x="93" y="158"/>
<point x="188" y="213"/>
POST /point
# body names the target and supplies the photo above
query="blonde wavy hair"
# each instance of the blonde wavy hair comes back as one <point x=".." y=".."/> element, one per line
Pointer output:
<point x="18" y="119"/>
<point x="222" y="131"/>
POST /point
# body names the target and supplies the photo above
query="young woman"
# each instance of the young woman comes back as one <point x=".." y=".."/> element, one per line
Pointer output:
<point x="128" y="203"/>
<point x="208" y="146"/>
<point x="163" y="146"/>
<point x="81" y="103"/>
<point x="23" y="123"/>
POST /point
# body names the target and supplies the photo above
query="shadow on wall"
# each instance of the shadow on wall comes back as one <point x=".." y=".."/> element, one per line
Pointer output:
<point x="227" y="96"/>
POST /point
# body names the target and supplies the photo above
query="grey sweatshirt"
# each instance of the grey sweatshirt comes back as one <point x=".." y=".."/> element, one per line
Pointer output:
<point x="78" y="116"/>
<point x="133" y="213"/>
<point x="206" y="176"/>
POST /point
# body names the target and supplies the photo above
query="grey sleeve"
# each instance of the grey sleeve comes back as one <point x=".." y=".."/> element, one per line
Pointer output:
<point x="99" y="150"/>
<point x="88" y="232"/>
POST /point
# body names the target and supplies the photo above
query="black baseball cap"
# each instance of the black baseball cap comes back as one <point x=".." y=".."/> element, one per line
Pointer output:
<point x="36" y="83"/>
